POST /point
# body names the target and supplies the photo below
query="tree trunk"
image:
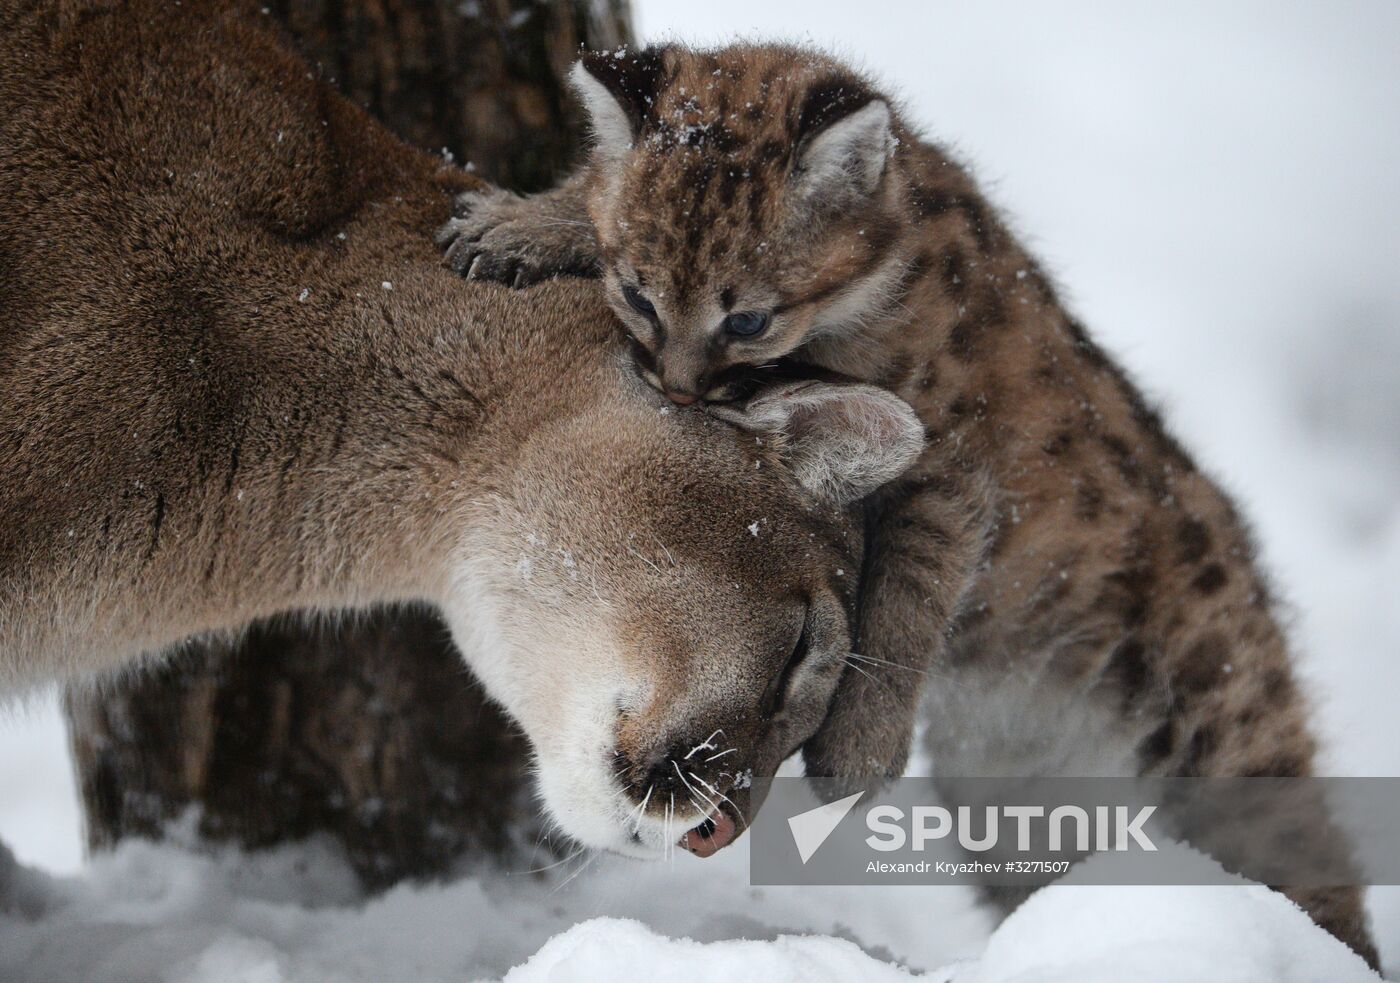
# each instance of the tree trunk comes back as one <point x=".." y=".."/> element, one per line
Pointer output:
<point x="370" y="730"/>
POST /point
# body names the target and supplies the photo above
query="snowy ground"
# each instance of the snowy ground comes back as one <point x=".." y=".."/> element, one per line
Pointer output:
<point x="1215" y="186"/>
<point x="158" y="912"/>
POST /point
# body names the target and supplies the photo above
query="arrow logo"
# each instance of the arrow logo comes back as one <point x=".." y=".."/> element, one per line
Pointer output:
<point x="811" y="828"/>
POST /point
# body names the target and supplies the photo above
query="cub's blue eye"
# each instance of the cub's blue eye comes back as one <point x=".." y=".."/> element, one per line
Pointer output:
<point x="639" y="303"/>
<point x="745" y="324"/>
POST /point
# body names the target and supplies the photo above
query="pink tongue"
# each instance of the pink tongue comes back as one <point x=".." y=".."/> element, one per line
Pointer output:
<point x="711" y="836"/>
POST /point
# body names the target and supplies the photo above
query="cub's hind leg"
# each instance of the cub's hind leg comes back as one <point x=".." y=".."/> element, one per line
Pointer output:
<point x="993" y="713"/>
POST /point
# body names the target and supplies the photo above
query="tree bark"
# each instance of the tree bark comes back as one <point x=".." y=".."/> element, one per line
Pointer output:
<point x="370" y="730"/>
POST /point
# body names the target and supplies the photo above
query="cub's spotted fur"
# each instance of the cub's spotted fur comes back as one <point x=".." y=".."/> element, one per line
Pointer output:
<point x="1082" y="599"/>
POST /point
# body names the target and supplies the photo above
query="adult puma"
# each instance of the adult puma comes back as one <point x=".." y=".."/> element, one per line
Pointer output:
<point x="234" y="380"/>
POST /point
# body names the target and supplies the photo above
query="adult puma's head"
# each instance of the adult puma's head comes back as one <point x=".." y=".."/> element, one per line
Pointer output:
<point x="664" y="600"/>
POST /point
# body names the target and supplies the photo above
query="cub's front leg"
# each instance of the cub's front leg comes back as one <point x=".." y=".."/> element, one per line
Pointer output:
<point x="927" y="537"/>
<point x="501" y="236"/>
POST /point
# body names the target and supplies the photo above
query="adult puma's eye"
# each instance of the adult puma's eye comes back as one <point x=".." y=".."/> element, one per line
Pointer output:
<point x="745" y="324"/>
<point x="639" y="303"/>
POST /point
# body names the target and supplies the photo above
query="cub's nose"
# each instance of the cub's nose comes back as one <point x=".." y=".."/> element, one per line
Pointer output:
<point x="682" y="383"/>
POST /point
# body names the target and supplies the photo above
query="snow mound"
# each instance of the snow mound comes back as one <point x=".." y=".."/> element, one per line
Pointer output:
<point x="1068" y="933"/>
<point x="614" y="949"/>
<point x="1245" y="933"/>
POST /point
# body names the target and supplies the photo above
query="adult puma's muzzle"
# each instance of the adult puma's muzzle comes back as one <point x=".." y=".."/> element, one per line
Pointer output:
<point x="667" y="631"/>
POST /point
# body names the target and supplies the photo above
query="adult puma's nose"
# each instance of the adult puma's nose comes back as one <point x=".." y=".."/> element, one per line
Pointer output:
<point x="680" y="397"/>
<point x="666" y="776"/>
<point x="712" y="835"/>
<point x="670" y="776"/>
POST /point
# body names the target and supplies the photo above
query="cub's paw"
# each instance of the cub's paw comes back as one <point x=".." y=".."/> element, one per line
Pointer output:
<point x="502" y="237"/>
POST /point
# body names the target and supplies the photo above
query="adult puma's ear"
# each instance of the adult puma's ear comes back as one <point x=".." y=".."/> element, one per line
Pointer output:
<point x="618" y="89"/>
<point x="841" y="440"/>
<point x="844" y="140"/>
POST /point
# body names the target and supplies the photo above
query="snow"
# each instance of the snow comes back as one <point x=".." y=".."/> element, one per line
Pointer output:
<point x="611" y="949"/>
<point x="161" y="911"/>
<point x="1079" y="934"/>
<point x="1214" y="186"/>
<point x="292" y="914"/>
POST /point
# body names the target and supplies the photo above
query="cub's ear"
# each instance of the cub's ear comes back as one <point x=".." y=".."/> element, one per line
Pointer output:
<point x="618" y="89"/>
<point x="844" y="141"/>
<point x="841" y="440"/>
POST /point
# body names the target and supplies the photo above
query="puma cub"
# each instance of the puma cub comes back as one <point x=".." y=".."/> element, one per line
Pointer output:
<point x="1083" y="600"/>
<point x="234" y="381"/>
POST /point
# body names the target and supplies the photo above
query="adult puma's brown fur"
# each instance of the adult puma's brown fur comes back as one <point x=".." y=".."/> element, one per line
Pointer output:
<point x="234" y="380"/>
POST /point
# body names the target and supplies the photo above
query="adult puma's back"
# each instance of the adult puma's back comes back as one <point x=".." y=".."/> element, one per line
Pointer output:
<point x="235" y="381"/>
<point x="167" y="273"/>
